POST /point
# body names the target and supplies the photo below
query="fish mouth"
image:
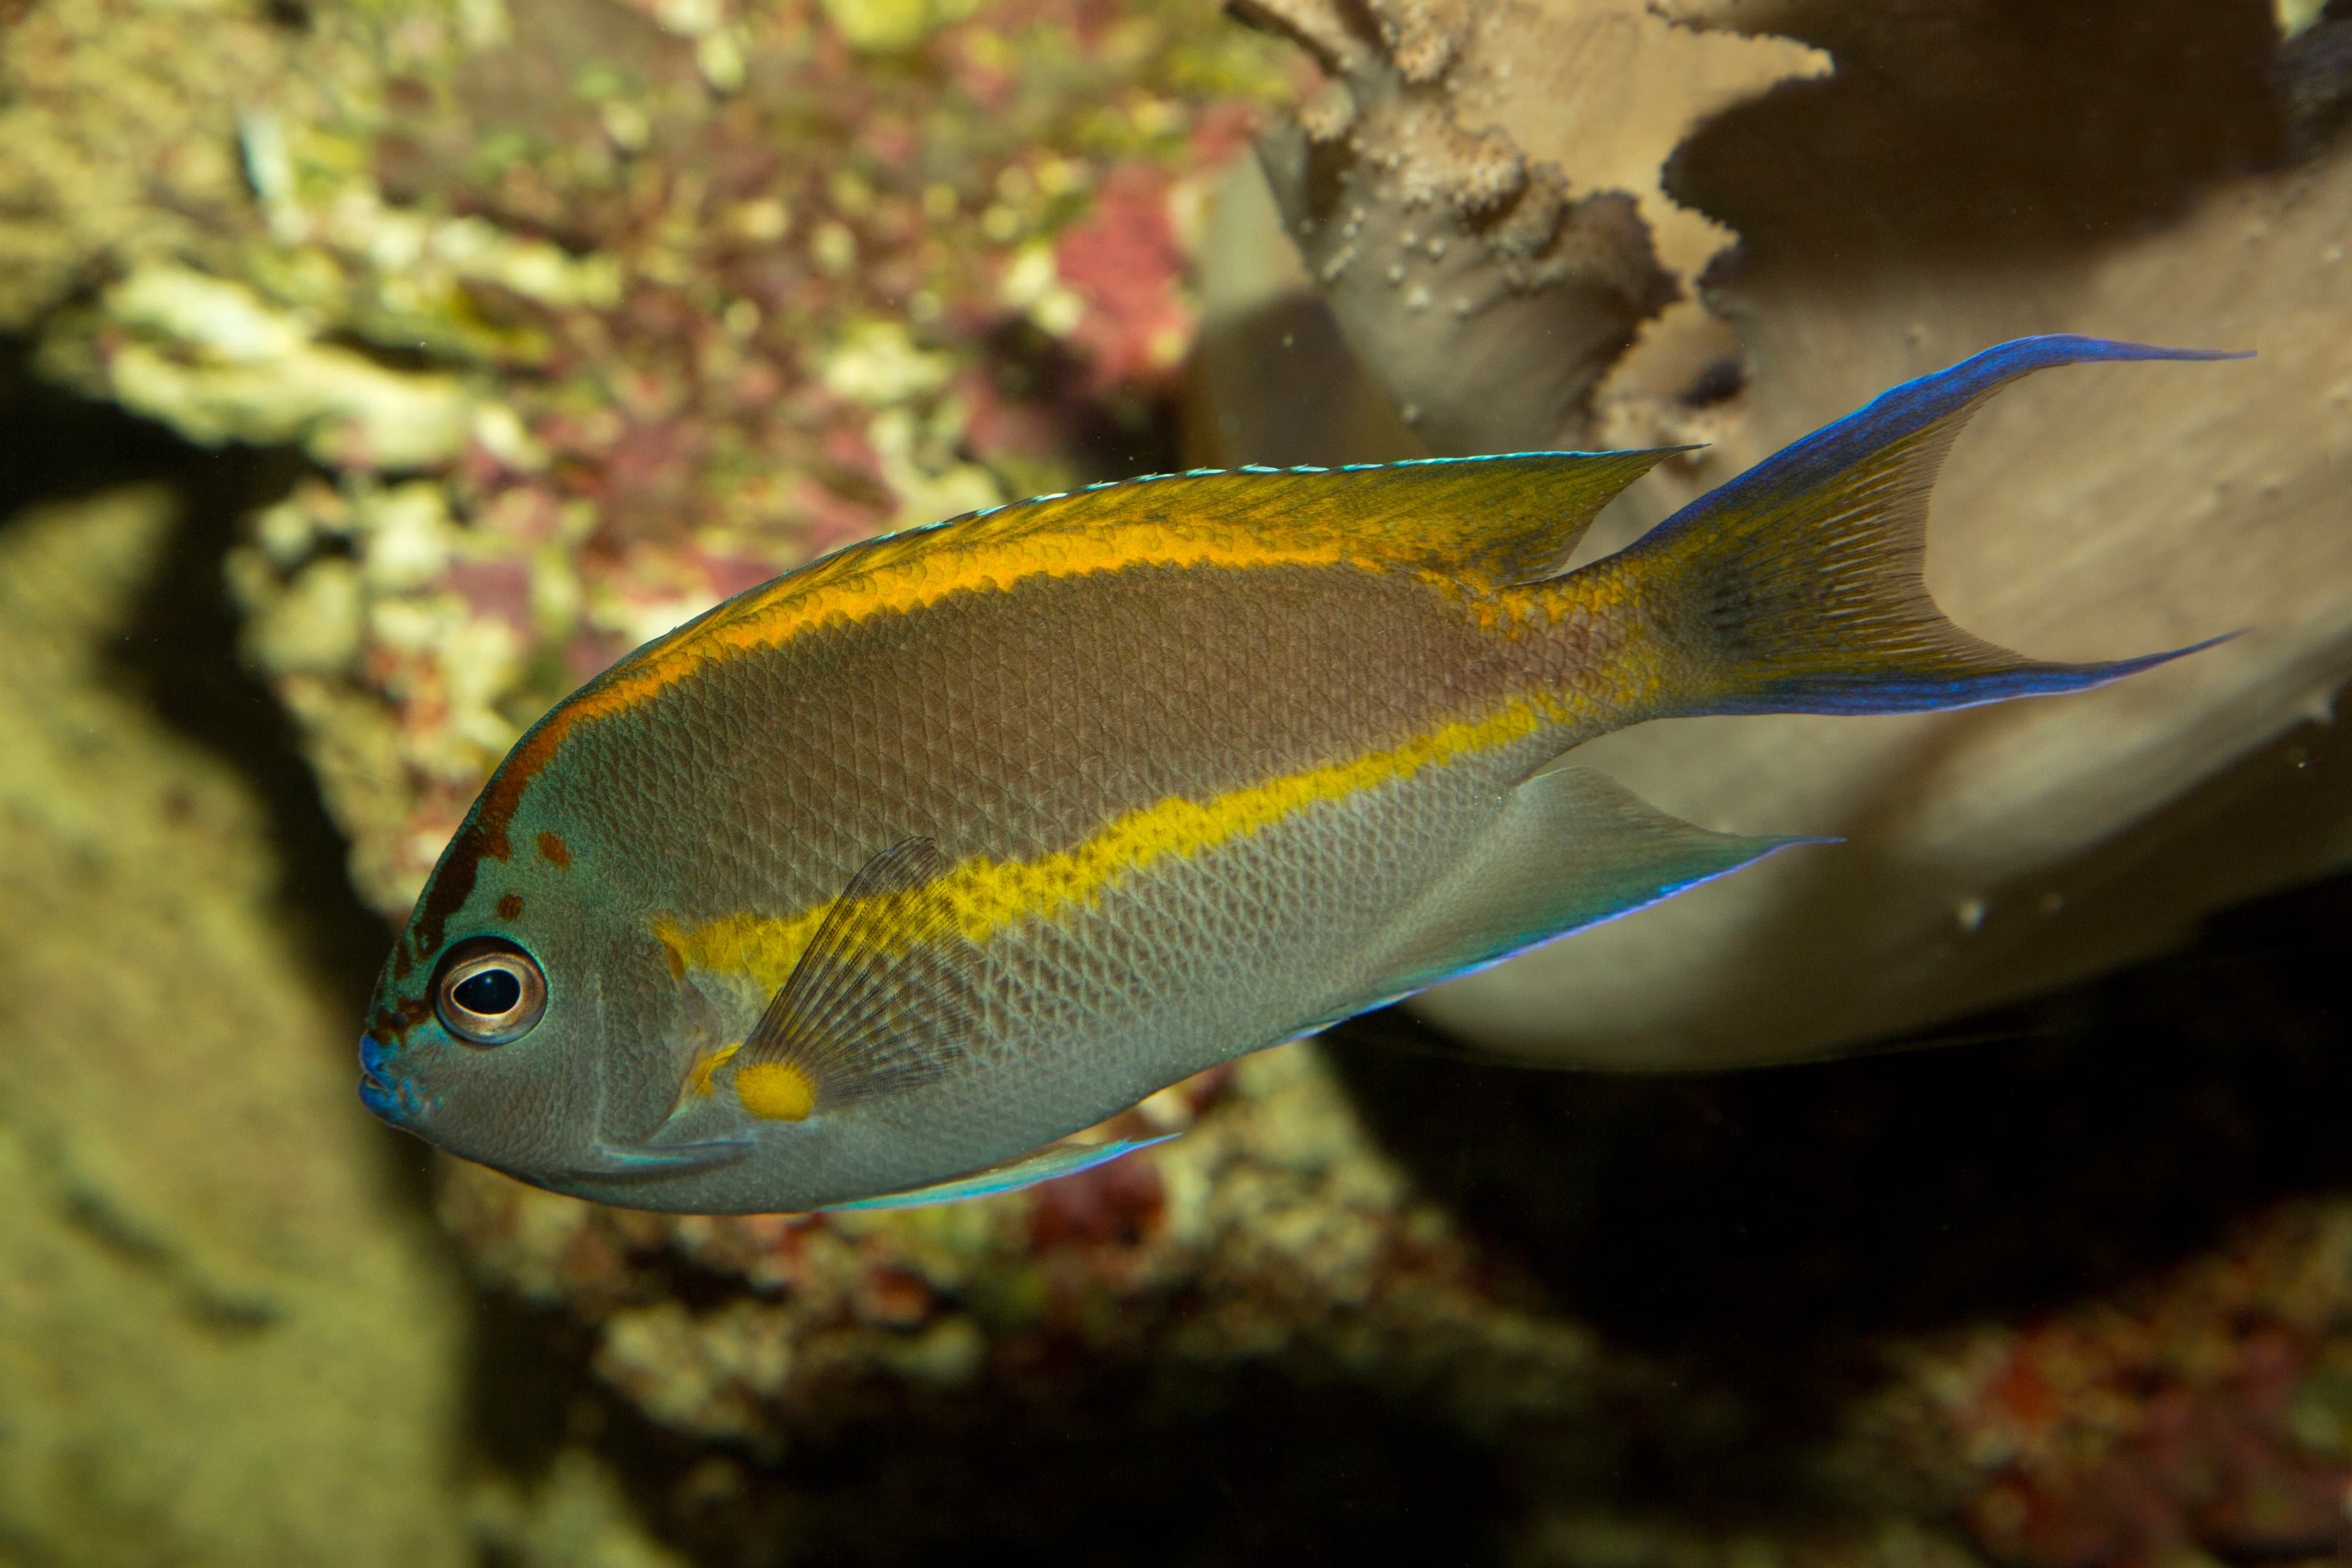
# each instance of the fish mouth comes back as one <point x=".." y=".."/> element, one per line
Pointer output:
<point x="389" y="1100"/>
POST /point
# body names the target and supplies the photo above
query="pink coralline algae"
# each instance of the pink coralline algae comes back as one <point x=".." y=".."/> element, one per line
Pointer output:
<point x="2210" y="1409"/>
<point x="1127" y="264"/>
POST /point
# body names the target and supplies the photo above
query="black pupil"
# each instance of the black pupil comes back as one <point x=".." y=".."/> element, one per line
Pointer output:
<point x="489" y="992"/>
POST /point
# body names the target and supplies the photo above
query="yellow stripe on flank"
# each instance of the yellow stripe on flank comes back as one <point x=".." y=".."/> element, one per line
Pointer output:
<point x="989" y="895"/>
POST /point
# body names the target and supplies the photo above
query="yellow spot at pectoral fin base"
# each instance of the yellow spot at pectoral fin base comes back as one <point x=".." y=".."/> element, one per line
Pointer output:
<point x="776" y="1091"/>
<point x="772" y="1092"/>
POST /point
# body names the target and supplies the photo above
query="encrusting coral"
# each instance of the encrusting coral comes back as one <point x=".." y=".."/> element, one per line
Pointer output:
<point x="1484" y="288"/>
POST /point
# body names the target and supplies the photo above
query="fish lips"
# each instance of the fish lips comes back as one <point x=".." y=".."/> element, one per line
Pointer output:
<point x="388" y="1096"/>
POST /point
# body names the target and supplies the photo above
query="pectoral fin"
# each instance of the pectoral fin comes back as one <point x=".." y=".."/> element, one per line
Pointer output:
<point x="884" y="999"/>
<point x="651" y="1160"/>
<point x="1054" y="1161"/>
<point x="1572" y="849"/>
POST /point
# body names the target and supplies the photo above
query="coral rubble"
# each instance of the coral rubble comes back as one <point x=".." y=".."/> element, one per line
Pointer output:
<point x="2212" y="1408"/>
<point x="2200" y="1408"/>
<point x="1271" y="1232"/>
<point x="591" y="315"/>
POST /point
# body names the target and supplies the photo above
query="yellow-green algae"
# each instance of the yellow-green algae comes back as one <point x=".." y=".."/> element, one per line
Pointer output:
<point x="223" y="1341"/>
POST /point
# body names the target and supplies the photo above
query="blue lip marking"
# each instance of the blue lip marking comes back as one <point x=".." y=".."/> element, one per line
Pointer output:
<point x="379" y="1100"/>
<point x="387" y="1098"/>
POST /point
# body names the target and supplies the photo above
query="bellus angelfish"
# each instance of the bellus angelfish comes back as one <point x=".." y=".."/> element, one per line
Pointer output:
<point x="876" y="880"/>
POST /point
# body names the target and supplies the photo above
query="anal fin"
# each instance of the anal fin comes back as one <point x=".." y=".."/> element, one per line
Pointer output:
<point x="1573" y="848"/>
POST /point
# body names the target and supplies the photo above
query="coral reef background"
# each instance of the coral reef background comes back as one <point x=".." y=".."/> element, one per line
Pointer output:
<point x="379" y="370"/>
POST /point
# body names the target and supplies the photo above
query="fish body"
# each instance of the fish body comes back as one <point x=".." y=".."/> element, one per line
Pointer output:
<point x="881" y="876"/>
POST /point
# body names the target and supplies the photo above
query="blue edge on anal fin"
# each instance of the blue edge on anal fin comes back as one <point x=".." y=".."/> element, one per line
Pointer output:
<point x="1048" y="1166"/>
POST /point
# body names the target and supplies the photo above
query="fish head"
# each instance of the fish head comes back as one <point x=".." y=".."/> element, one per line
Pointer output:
<point x="519" y="1023"/>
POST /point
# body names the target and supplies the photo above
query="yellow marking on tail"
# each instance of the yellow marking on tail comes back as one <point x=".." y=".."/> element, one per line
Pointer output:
<point x="988" y="895"/>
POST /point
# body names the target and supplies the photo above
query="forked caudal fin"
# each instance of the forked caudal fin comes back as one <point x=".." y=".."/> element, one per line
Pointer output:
<point x="1797" y="587"/>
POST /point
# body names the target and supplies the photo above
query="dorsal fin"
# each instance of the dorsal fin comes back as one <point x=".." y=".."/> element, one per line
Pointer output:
<point x="1511" y="519"/>
<point x="1497" y="522"/>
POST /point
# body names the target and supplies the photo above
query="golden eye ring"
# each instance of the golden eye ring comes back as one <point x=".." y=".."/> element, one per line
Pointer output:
<point x="488" y="992"/>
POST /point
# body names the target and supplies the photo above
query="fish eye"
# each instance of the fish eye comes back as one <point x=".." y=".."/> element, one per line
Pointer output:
<point x="487" y="990"/>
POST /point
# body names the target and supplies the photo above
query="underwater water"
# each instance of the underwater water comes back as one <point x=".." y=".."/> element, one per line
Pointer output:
<point x="372" y="376"/>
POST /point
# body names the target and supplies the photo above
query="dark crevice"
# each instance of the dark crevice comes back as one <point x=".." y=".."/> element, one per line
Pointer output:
<point x="1239" y="1471"/>
<point x="2313" y="77"/>
<point x="526" y="1372"/>
<point x="405" y="358"/>
<point x="1114" y="437"/>
<point x="1119" y="1466"/>
<point x="1758" y="1228"/>
<point x="61" y="447"/>
<point x="1991" y="129"/>
<point x="1718" y="380"/>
